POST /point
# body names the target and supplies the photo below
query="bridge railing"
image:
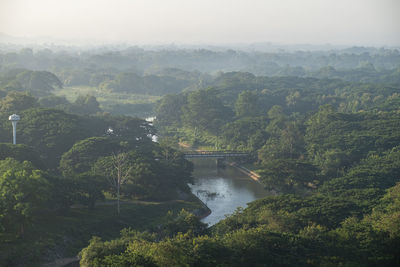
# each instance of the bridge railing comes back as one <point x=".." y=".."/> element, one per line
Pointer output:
<point x="215" y="152"/>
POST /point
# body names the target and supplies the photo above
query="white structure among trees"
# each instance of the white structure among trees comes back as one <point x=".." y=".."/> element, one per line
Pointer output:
<point x="14" y="118"/>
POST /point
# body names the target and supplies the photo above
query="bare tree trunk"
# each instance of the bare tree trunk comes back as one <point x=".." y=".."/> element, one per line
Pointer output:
<point x="21" y="232"/>
<point x="118" y="186"/>
<point x="119" y="172"/>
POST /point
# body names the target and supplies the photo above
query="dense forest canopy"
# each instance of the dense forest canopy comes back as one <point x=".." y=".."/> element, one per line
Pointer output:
<point x="130" y="80"/>
<point x="322" y="130"/>
<point x="177" y="69"/>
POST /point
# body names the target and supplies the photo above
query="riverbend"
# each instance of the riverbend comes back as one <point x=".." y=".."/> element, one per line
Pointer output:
<point x="223" y="190"/>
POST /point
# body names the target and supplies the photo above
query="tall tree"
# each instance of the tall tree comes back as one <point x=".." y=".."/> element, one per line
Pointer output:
<point x="117" y="169"/>
<point x="23" y="190"/>
<point x="205" y="110"/>
<point x="247" y="104"/>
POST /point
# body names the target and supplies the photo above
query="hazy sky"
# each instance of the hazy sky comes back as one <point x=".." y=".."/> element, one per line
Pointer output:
<point x="348" y="22"/>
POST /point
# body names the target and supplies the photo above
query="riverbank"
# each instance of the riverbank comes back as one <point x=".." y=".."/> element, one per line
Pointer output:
<point x="253" y="175"/>
<point x="223" y="189"/>
<point x="201" y="213"/>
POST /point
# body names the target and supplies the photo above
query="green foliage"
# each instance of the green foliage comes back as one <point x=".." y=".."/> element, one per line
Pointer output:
<point x="385" y="216"/>
<point x="258" y="246"/>
<point x="328" y="134"/>
<point x="352" y="135"/>
<point x="152" y="169"/>
<point x="182" y="222"/>
<point x="98" y="253"/>
<point x="51" y="132"/>
<point x="169" y="110"/>
<point x="247" y="105"/>
<point x="286" y="141"/>
<point x="16" y="102"/>
<point x="83" y="154"/>
<point x="21" y="153"/>
<point x="53" y="101"/>
<point x="375" y="171"/>
<point x="131" y="129"/>
<point x="23" y="191"/>
<point x="88" y="188"/>
<point x="148" y="84"/>
<point x="39" y="83"/>
<point x="158" y="176"/>
<point x="158" y="172"/>
<point x="205" y="110"/>
<point x="334" y="140"/>
<point x="253" y="247"/>
<point x="85" y="105"/>
<point x="286" y="174"/>
<point x="245" y="134"/>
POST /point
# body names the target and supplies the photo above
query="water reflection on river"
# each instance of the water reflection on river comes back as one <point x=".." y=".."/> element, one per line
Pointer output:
<point x="223" y="190"/>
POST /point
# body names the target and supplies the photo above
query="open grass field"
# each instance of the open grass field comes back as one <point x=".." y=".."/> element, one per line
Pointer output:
<point x="117" y="103"/>
<point x="105" y="96"/>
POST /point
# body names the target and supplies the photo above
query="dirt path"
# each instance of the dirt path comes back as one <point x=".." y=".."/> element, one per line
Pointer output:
<point x="187" y="147"/>
<point x="63" y="262"/>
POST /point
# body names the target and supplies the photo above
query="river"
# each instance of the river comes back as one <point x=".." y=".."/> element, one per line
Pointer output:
<point x="223" y="190"/>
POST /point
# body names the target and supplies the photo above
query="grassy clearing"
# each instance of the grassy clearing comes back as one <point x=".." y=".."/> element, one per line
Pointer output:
<point x="117" y="103"/>
<point x="105" y="96"/>
<point x="64" y="235"/>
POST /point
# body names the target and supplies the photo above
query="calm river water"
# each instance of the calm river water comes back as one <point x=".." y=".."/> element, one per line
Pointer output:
<point x="223" y="190"/>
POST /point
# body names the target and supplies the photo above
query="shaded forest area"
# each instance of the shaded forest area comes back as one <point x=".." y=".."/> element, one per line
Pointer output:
<point x="68" y="173"/>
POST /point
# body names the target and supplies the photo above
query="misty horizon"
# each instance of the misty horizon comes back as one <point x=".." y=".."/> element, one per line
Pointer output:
<point x="14" y="43"/>
<point x="221" y="23"/>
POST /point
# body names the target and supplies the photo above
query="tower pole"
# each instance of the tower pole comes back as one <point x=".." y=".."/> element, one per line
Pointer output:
<point x="14" y="118"/>
<point x="14" y="124"/>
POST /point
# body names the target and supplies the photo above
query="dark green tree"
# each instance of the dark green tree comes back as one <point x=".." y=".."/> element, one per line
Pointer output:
<point x="247" y="104"/>
<point x="16" y="102"/>
<point x="285" y="174"/>
<point x="23" y="191"/>
<point x="51" y="132"/>
<point x="21" y="153"/>
<point x="169" y="110"/>
<point x="85" y="105"/>
<point x="206" y="111"/>
<point x="83" y="154"/>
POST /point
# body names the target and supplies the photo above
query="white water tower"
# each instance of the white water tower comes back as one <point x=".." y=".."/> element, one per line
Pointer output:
<point x="14" y="118"/>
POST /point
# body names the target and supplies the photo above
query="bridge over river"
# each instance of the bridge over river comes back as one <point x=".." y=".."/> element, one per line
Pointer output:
<point x="214" y="154"/>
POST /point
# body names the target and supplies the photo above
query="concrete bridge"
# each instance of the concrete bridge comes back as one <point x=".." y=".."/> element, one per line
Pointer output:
<point x="214" y="154"/>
